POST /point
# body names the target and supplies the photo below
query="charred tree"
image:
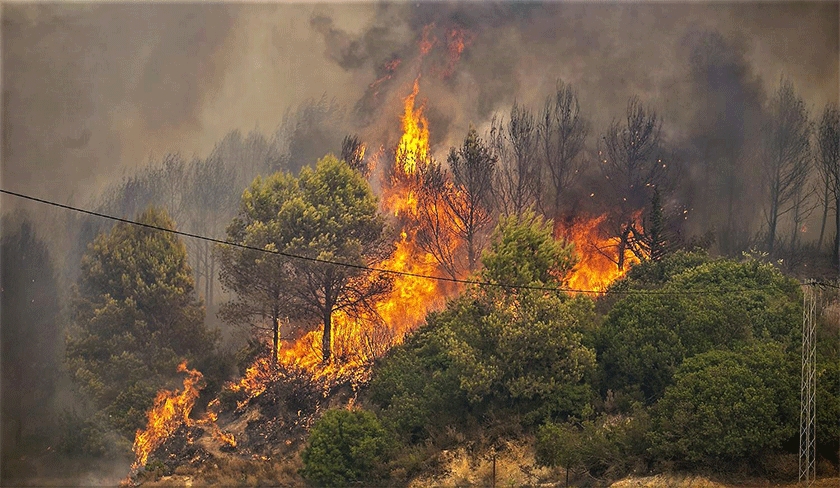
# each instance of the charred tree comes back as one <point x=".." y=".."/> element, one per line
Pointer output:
<point x="785" y="158"/>
<point x="514" y="144"/>
<point x="473" y="167"/>
<point x="353" y="153"/>
<point x="562" y="132"/>
<point x="631" y="160"/>
<point x="828" y="163"/>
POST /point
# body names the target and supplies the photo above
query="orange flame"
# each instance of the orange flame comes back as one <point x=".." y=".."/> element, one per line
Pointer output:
<point x="414" y="143"/>
<point x="358" y="340"/>
<point x="428" y="41"/>
<point x="598" y="255"/>
<point x="255" y="380"/>
<point x="210" y="418"/>
<point x="170" y="410"/>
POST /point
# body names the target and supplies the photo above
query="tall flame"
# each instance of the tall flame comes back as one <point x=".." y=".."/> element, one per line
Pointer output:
<point x="414" y="143"/>
<point x="358" y="340"/>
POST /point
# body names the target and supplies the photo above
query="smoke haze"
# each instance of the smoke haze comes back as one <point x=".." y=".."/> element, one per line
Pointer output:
<point x="93" y="90"/>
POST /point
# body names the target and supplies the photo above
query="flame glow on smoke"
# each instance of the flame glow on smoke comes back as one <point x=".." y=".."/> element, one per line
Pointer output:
<point x="358" y="340"/>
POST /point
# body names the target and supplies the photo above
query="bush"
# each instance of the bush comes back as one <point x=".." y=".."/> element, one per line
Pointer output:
<point x="716" y="305"/>
<point x="725" y="406"/>
<point x="609" y="446"/>
<point x="345" y="447"/>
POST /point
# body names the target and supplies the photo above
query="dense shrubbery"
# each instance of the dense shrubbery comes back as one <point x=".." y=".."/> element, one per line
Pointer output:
<point x="494" y="352"/>
<point x="697" y="366"/>
<point x="345" y="447"/>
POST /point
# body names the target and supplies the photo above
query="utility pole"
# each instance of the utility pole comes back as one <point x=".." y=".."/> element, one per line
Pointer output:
<point x="808" y="405"/>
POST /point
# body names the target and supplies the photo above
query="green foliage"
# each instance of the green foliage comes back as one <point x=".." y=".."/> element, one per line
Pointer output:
<point x="136" y="317"/>
<point x="651" y="273"/>
<point x="345" y="447"/>
<point x="523" y="252"/>
<point x="494" y="352"/>
<point x="828" y="408"/>
<point x="606" y="446"/>
<point x="327" y="213"/>
<point x="727" y="405"/>
<point x="716" y="304"/>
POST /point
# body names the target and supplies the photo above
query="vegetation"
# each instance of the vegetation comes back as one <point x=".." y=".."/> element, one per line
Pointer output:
<point x="345" y="447"/>
<point x="328" y="213"/>
<point x="30" y="337"/>
<point x="135" y="319"/>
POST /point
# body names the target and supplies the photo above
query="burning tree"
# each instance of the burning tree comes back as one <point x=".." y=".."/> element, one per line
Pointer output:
<point x="328" y="214"/>
<point x="631" y="160"/>
<point x="454" y="210"/>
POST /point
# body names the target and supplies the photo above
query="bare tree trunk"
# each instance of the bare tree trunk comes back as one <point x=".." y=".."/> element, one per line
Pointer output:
<point x="326" y="341"/>
<point x="837" y="235"/>
<point x="824" y="215"/>
<point x="275" y="343"/>
<point x="211" y="280"/>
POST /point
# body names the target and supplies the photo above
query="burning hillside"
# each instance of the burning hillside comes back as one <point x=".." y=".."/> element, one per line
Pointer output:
<point x="358" y="339"/>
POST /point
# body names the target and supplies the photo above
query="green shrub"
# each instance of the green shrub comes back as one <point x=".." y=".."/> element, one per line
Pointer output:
<point x="345" y="447"/>
<point x="725" y="406"/>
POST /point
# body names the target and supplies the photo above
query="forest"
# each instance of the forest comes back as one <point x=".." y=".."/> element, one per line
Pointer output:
<point x="381" y="294"/>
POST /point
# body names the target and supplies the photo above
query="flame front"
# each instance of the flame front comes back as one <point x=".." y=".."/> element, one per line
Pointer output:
<point x="170" y="410"/>
<point x="598" y="255"/>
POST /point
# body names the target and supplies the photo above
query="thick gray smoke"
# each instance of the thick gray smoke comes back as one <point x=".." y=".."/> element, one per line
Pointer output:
<point x="92" y="91"/>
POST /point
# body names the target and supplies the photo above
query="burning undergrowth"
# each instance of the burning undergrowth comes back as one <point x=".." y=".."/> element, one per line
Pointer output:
<point x="262" y="418"/>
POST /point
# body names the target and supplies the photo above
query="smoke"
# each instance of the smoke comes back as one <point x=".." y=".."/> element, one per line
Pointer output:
<point x="92" y="91"/>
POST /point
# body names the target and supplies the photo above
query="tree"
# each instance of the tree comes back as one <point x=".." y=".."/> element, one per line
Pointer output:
<point x="135" y="318"/>
<point x="328" y="214"/>
<point x="562" y="132"/>
<point x="31" y="340"/>
<point x="353" y="153"/>
<point x="209" y="203"/>
<point x="495" y="351"/>
<point x="454" y="211"/>
<point x="345" y="447"/>
<point x="785" y="159"/>
<point x="632" y="160"/>
<point x="727" y="405"/>
<point x="828" y="163"/>
<point x="515" y="145"/>
<point x="473" y="169"/>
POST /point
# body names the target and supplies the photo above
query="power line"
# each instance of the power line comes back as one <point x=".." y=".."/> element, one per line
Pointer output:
<point x="375" y="269"/>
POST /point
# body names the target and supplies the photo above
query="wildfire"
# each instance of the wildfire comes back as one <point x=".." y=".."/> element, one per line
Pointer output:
<point x="598" y="255"/>
<point x="171" y="409"/>
<point x="210" y="418"/>
<point x="359" y="339"/>
<point x="255" y="380"/>
<point x="414" y="143"/>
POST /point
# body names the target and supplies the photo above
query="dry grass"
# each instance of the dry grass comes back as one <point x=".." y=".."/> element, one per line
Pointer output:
<point x="688" y="481"/>
<point x="515" y="466"/>
<point x="233" y="471"/>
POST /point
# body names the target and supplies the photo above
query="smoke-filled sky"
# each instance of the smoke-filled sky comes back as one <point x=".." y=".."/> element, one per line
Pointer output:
<point x="92" y="91"/>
